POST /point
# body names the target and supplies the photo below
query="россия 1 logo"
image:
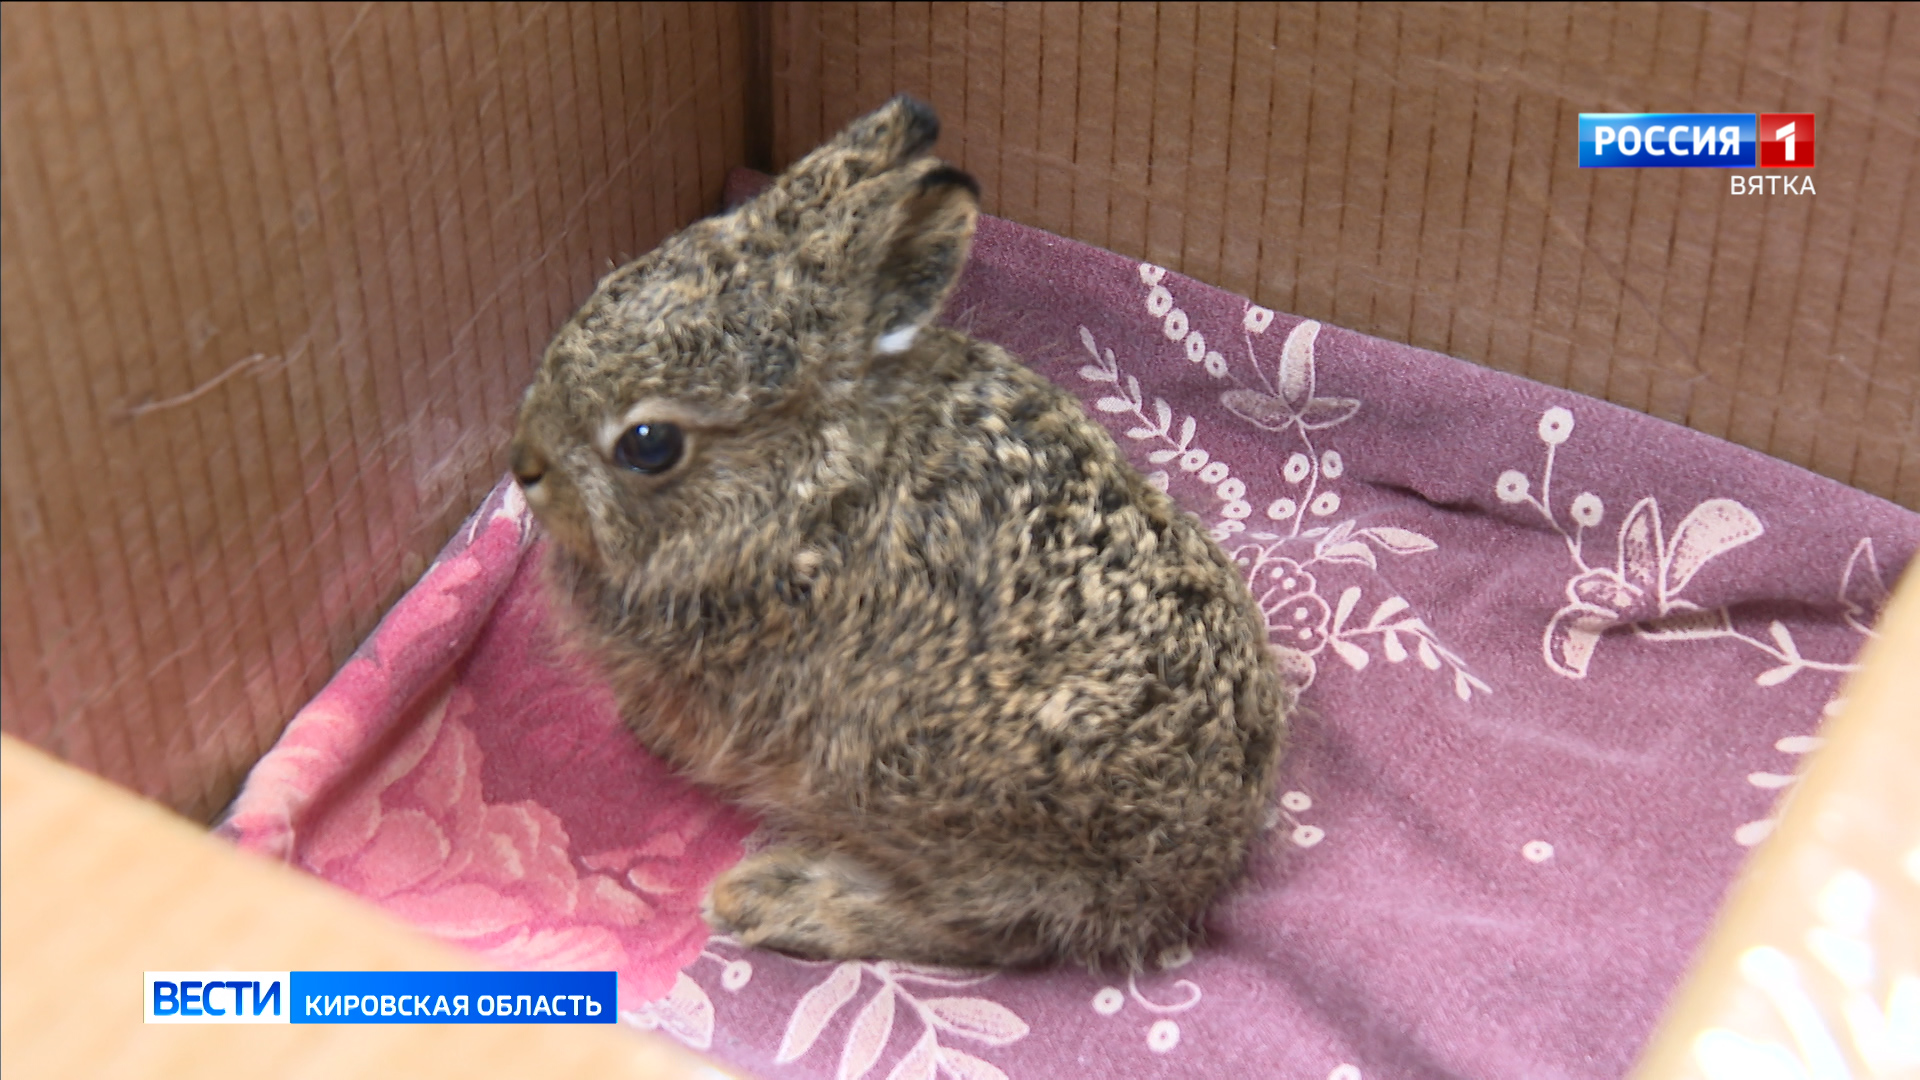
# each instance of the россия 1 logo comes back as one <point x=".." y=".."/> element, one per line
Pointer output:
<point x="1696" y="140"/>
<point x="1666" y="140"/>
<point x="1786" y="140"/>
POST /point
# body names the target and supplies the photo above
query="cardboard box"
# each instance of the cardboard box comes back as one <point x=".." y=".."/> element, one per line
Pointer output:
<point x="274" y="275"/>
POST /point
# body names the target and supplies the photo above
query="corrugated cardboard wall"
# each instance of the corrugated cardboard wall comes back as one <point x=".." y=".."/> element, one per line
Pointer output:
<point x="275" y="276"/>
<point x="1411" y="171"/>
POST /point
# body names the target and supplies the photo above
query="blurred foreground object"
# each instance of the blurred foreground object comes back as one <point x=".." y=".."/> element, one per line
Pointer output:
<point x="1813" y="969"/>
<point x="100" y="886"/>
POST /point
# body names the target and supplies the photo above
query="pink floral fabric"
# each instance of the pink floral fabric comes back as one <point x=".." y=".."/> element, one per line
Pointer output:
<point x="1557" y="662"/>
<point x="456" y="776"/>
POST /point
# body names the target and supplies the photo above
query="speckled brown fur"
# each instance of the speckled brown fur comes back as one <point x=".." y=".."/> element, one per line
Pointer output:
<point x="1008" y="703"/>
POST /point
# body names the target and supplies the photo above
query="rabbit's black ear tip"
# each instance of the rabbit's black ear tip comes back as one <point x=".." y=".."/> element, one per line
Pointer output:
<point x="949" y="176"/>
<point x="921" y="122"/>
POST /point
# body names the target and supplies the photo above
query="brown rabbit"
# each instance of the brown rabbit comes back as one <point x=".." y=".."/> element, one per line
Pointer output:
<point x="889" y="588"/>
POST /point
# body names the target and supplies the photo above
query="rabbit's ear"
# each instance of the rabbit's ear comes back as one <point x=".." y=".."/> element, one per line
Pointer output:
<point x="885" y="139"/>
<point x="932" y="232"/>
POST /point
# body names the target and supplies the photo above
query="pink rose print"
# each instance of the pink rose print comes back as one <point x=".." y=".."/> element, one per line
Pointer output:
<point x="382" y="784"/>
<point x="434" y="623"/>
<point x="498" y="878"/>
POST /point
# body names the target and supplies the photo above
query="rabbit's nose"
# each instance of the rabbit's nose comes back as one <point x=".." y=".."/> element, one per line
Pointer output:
<point x="527" y="464"/>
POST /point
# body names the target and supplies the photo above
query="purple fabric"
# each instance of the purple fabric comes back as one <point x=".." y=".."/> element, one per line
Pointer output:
<point x="1503" y="862"/>
<point x="1558" y="661"/>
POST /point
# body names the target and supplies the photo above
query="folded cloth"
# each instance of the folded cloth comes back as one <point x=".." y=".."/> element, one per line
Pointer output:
<point x="1557" y="661"/>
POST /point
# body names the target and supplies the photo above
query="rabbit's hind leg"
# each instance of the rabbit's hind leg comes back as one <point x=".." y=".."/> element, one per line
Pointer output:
<point x="829" y="907"/>
<point x="796" y="901"/>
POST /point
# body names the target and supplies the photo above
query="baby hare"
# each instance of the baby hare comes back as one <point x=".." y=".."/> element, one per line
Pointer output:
<point x="885" y="586"/>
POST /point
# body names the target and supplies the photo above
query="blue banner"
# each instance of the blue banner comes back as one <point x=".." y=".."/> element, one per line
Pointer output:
<point x="454" y="997"/>
<point x="1667" y="140"/>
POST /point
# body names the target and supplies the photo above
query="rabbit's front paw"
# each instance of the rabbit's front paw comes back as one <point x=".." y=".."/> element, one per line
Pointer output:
<point x="794" y="902"/>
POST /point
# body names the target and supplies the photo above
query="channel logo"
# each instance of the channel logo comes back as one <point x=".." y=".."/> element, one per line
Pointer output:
<point x="218" y="997"/>
<point x="382" y="997"/>
<point x="1786" y="140"/>
<point x="1667" y="140"/>
<point x="1696" y="140"/>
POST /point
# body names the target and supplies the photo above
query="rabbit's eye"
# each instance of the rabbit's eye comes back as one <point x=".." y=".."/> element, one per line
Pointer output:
<point x="650" y="448"/>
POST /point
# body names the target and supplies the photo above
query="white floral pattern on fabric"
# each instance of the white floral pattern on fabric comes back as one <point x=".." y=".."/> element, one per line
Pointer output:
<point x="1302" y="625"/>
<point x="970" y="1017"/>
<point x="1642" y="587"/>
<point x="1162" y="1035"/>
<point x="687" y="1012"/>
<point x="1753" y="832"/>
<point x="1290" y="805"/>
